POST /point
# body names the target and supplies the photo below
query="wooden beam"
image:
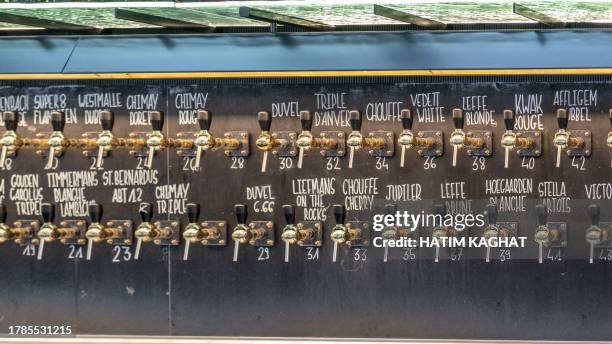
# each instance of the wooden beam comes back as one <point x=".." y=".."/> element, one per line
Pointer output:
<point x="140" y="16"/>
<point x="532" y="14"/>
<point x="277" y="18"/>
<point x="44" y="23"/>
<point x="409" y="18"/>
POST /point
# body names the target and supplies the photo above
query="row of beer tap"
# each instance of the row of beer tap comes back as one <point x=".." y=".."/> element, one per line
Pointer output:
<point x="353" y="234"/>
<point x="330" y="143"/>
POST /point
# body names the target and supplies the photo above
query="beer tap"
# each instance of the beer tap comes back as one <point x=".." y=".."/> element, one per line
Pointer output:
<point x="307" y="141"/>
<point x="21" y="234"/>
<point x="389" y="232"/>
<point x="272" y="142"/>
<point x="105" y="140"/>
<point x="290" y="233"/>
<point x="24" y="231"/>
<point x="265" y="141"/>
<point x="492" y="230"/>
<point x="407" y="139"/>
<point x="56" y="142"/>
<point x="339" y="233"/>
<point x="460" y="139"/>
<point x="544" y="235"/>
<point x="564" y="138"/>
<point x="375" y="141"/>
<point x="6" y="233"/>
<point x="9" y="141"/>
<point x="147" y="231"/>
<point x="69" y="232"/>
<point x="511" y="139"/>
<point x="241" y="233"/>
<point x="115" y="232"/>
<point x="156" y="139"/>
<point x="144" y="232"/>
<point x="48" y="231"/>
<point x="193" y="232"/>
<point x="355" y="139"/>
<point x="305" y="233"/>
<point x="440" y="231"/>
<point x="147" y="144"/>
<point x="205" y="141"/>
<point x="208" y="233"/>
<point x="595" y="235"/>
<point x="96" y="231"/>
<point x="609" y="140"/>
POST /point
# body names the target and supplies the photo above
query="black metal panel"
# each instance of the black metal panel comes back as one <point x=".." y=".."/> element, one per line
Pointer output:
<point x="209" y="295"/>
